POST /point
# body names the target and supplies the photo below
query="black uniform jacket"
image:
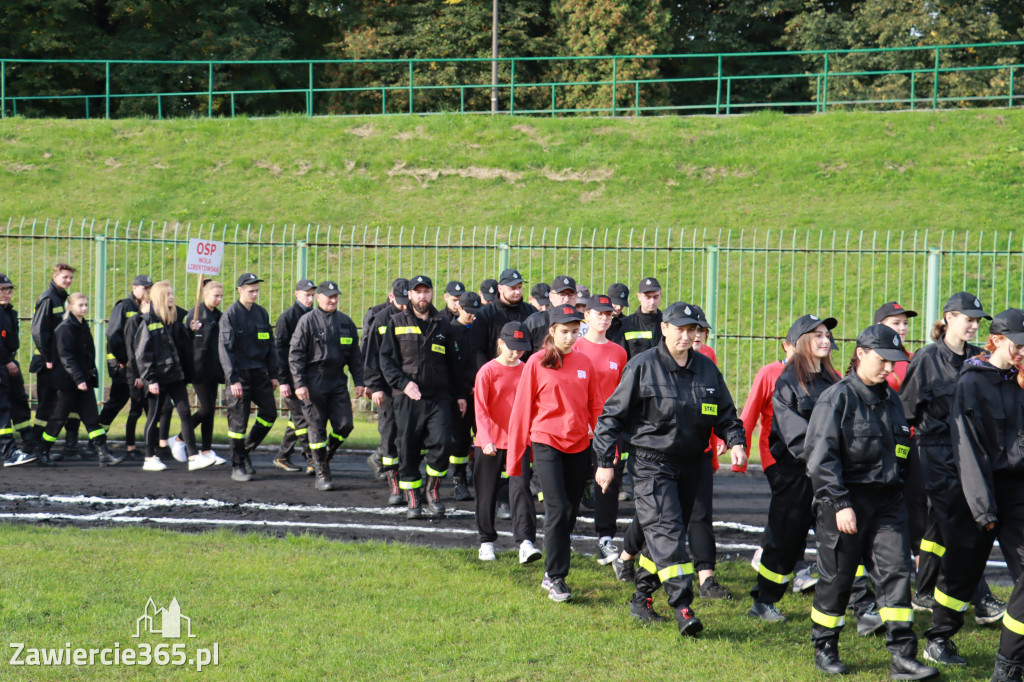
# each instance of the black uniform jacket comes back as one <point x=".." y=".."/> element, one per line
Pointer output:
<point x="245" y="342"/>
<point x="50" y="309"/>
<point x="205" y="341"/>
<point x="283" y="331"/>
<point x="856" y="437"/>
<point x="537" y="325"/>
<point x="667" y="409"/>
<point x="131" y="335"/>
<point x="489" y="322"/>
<point x="371" y="314"/>
<point x="614" y="333"/>
<point x="117" y="347"/>
<point x="423" y="351"/>
<point x="792" y="405"/>
<point x="9" y="339"/>
<point x="987" y="420"/>
<point x="641" y="331"/>
<point x="324" y="345"/>
<point x="373" y="332"/>
<point x="464" y="342"/>
<point x="76" y="355"/>
<point x="162" y="351"/>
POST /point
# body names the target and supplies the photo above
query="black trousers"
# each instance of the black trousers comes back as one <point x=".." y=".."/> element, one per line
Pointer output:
<point x="427" y="423"/>
<point x="120" y="394"/>
<point x="297" y="432"/>
<point x="328" y="402"/>
<point x="21" y="414"/>
<point x="1011" y="641"/>
<point x="139" y="404"/>
<point x="664" y="494"/>
<point x="256" y="388"/>
<point x="171" y="396"/>
<point x="71" y="401"/>
<point x="882" y="540"/>
<point x="388" y="430"/>
<point x="486" y="478"/>
<point x="46" y="396"/>
<point x="463" y="428"/>
<point x="701" y="530"/>
<point x="606" y="505"/>
<point x="202" y="418"/>
<point x="785" y="535"/>
<point x="7" y="444"/>
<point x="562" y="477"/>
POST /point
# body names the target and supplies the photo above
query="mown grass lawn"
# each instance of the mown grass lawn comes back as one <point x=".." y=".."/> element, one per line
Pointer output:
<point x="305" y="608"/>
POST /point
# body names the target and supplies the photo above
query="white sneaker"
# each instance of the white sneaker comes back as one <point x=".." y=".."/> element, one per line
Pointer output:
<point x="200" y="461"/>
<point x="217" y="459"/>
<point x="528" y="553"/>
<point x="153" y="464"/>
<point x="178" y="449"/>
<point x="486" y="552"/>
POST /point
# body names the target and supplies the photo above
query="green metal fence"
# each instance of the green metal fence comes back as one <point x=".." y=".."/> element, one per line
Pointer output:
<point x="927" y="77"/>
<point x="752" y="284"/>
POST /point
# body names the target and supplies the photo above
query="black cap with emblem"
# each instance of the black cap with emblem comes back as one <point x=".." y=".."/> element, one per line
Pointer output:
<point x="1009" y="323"/>
<point x="328" y="289"/>
<point x="420" y="281"/>
<point x="455" y="288"/>
<point x="510" y="277"/>
<point x="489" y="289"/>
<point x="884" y="341"/>
<point x="965" y="304"/>
<point x="648" y="284"/>
<point x="619" y="293"/>
<point x="400" y="290"/>
<point x="680" y="314"/>
<point x="805" y="324"/>
<point x="248" y="278"/>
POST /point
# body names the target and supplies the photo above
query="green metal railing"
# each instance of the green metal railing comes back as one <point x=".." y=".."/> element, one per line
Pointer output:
<point x="714" y="83"/>
<point x="752" y="284"/>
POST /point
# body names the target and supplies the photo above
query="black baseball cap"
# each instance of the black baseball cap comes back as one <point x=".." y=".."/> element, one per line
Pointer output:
<point x="680" y="314"/>
<point x="328" y="288"/>
<point x="400" y="290"/>
<point x="1009" y="323"/>
<point x="648" y="284"/>
<point x="489" y="289"/>
<point x="600" y="303"/>
<point x="248" y="278"/>
<point x="516" y="336"/>
<point x="884" y="341"/>
<point x="540" y="293"/>
<point x="967" y="304"/>
<point x="5" y="281"/>
<point x="510" y="277"/>
<point x="892" y="308"/>
<point x="619" y="293"/>
<point x="563" y="314"/>
<point x="455" y="288"/>
<point x="563" y="283"/>
<point x="143" y="281"/>
<point x="807" y="324"/>
<point x="470" y="302"/>
<point x="420" y="280"/>
<point x="305" y="285"/>
<point x="702" y="319"/>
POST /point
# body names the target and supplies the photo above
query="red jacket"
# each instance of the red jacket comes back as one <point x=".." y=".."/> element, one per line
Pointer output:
<point x="493" y="395"/>
<point x="759" y="408"/>
<point x="557" y="407"/>
<point x="609" y="359"/>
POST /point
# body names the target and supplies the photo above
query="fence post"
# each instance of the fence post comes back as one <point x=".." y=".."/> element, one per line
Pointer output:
<point x="410" y="86"/>
<point x="301" y="260"/>
<point x="615" y="82"/>
<point x="934" y="266"/>
<point x="503" y="256"/>
<point x="98" y="304"/>
<point x="935" y="85"/>
<point x="710" y="303"/>
<point x="108" y="90"/>
<point x="1009" y="104"/>
<point x="3" y="89"/>
<point x="824" y="88"/>
<point x="309" y="96"/>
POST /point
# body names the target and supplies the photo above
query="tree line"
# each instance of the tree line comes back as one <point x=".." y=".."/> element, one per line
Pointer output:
<point x="247" y="30"/>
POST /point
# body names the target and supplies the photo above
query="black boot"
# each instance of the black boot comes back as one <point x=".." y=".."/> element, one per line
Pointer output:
<point x="43" y="455"/>
<point x="71" y="448"/>
<point x="826" y="659"/>
<point x="415" y="511"/>
<point x="460" y="484"/>
<point x="395" y="497"/>
<point x="376" y="464"/>
<point x="1007" y="670"/>
<point x="103" y="454"/>
<point x="909" y="668"/>
<point x="432" y="495"/>
<point x="321" y="463"/>
<point x="247" y="464"/>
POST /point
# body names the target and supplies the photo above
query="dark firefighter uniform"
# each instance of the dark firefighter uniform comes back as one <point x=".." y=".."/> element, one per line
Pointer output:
<point x="322" y="346"/>
<point x="858" y="442"/>
<point x="642" y="331"/>
<point x="538" y="323"/>
<point x="424" y="352"/>
<point x="247" y="356"/>
<point x="670" y="412"/>
<point x="49" y="312"/>
<point x="21" y="415"/>
<point x="619" y="293"/>
<point x="493" y="317"/>
<point x="298" y="428"/>
<point x="118" y="350"/>
<point x="464" y="425"/>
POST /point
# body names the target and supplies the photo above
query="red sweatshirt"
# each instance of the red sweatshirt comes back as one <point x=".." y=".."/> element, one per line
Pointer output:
<point x="493" y="395"/>
<point x="759" y="408"/>
<point x="609" y="359"/>
<point x="557" y="407"/>
<point x="898" y="374"/>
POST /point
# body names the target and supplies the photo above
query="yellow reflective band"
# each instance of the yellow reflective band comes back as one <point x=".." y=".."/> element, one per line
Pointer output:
<point x="933" y="547"/>
<point x="264" y="422"/>
<point x="317" y="446"/>
<point x="452" y="459"/>
<point x="776" y="578"/>
<point x="6" y="432"/>
<point x="59" y="309"/>
<point x="110" y="356"/>
<point x="236" y="436"/>
<point x="345" y="340"/>
<point x="675" y="571"/>
<point x="291" y="424"/>
<point x="262" y="336"/>
<point x="336" y="437"/>
<point x="381" y="329"/>
<point x="389" y="461"/>
<point x="951" y="603"/>
<point x="504" y="474"/>
<point x="154" y="325"/>
<point x="301" y="432"/>
<point x="1012" y="624"/>
<point x="861" y="571"/>
<point x="431" y="471"/>
<point x="899" y="615"/>
<point x="827" y="620"/>
<point x="424" y="451"/>
<point x="623" y="456"/>
<point x="902" y="451"/>
<point x="540" y="497"/>
<point x="130" y="313"/>
<point x="410" y="485"/>
<point x="407" y="330"/>
<point x="709" y="408"/>
<point x="437" y="348"/>
<point x="48" y="438"/>
<point x="96" y="434"/>
<point x="646" y="564"/>
<point x="629" y="336"/>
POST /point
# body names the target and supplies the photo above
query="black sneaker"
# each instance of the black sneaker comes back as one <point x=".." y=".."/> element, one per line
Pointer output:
<point x="907" y="668"/>
<point x="460" y="490"/>
<point x="286" y="464"/>
<point x="1007" y="670"/>
<point x="943" y="651"/>
<point x="766" y="611"/>
<point x="641" y="608"/>
<point x="869" y="623"/>
<point x="43" y="460"/>
<point x="503" y="511"/>
<point x="559" y="591"/>
<point x="606" y="553"/>
<point x="989" y="610"/>
<point x="689" y="623"/>
<point x="710" y="589"/>
<point x="625" y="570"/>
<point x="923" y="602"/>
<point x="826" y="659"/>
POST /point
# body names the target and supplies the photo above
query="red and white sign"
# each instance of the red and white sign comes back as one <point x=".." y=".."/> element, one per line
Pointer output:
<point x="204" y="257"/>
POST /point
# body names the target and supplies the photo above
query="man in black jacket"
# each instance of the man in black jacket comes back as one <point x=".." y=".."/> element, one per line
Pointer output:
<point x="464" y="423"/>
<point x="508" y="307"/>
<point x="642" y="330"/>
<point x="562" y="292"/>
<point x="670" y="399"/>
<point x="324" y="343"/>
<point x="118" y="349"/>
<point x="250" y="371"/>
<point x="419" y="359"/>
<point x="453" y="291"/>
<point x="14" y="411"/>
<point x="298" y="429"/>
<point x="619" y="293"/>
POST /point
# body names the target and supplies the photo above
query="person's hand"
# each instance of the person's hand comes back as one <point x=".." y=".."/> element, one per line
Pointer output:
<point x="154" y="389"/>
<point x="195" y="325"/>
<point x="990" y="525"/>
<point x="378" y="398"/>
<point x="461" y="402"/>
<point x="412" y="391"/>
<point x="139" y="383"/>
<point x="286" y="390"/>
<point x="302" y="393"/>
<point x="49" y="365"/>
<point x="846" y="521"/>
<point x="739" y="456"/>
<point x="274" y="383"/>
<point x="236" y="389"/>
<point x="603" y="477"/>
<point x="361" y="392"/>
<point x="83" y="387"/>
<point x="12" y="369"/>
<point x="489" y="449"/>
